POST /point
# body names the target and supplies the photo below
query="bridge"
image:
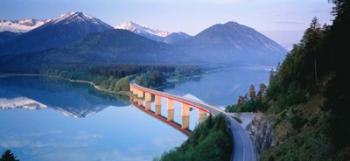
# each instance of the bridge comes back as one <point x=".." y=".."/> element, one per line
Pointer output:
<point x="144" y="97"/>
<point x="243" y="150"/>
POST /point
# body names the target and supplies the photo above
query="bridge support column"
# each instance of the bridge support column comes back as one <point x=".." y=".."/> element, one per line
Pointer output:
<point x="148" y="98"/>
<point x="139" y="101"/>
<point x="157" y="104"/>
<point x="157" y="100"/>
<point x="185" y="114"/>
<point x="201" y="115"/>
<point x="147" y="106"/>
<point x="171" y="110"/>
<point x="140" y="94"/>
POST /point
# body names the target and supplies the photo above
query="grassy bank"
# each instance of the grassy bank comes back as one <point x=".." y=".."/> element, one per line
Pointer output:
<point x="210" y="141"/>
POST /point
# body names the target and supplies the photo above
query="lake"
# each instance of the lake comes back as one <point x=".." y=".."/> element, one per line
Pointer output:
<point x="48" y="119"/>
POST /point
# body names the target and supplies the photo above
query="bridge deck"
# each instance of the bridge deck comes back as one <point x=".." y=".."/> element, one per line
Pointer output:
<point x="192" y="103"/>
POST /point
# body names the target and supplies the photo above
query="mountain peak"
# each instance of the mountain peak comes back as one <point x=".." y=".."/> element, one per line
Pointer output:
<point x="74" y="16"/>
<point x="74" y="25"/>
<point x="231" y="23"/>
<point x="141" y="29"/>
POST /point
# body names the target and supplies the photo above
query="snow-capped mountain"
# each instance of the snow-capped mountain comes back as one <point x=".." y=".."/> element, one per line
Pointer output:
<point x="78" y="17"/>
<point x="58" y="32"/>
<point x="153" y="34"/>
<point x="141" y="29"/>
<point x="23" y="25"/>
<point x="21" y="102"/>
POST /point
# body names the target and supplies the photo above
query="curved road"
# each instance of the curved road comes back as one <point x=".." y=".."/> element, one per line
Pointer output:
<point x="243" y="148"/>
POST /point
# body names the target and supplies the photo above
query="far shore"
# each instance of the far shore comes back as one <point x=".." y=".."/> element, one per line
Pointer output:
<point x="2" y="75"/>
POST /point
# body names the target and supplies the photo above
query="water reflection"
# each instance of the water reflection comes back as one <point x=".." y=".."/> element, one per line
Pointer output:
<point x="73" y="99"/>
<point x="116" y="130"/>
<point x="139" y="103"/>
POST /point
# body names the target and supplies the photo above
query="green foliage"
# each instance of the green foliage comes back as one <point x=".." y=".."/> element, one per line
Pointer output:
<point x="210" y="141"/>
<point x="318" y="65"/>
<point x="116" y="77"/>
<point x="153" y="78"/>
<point x="8" y="156"/>
<point x="122" y="84"/>
<point x="298" y="75"/>
<point x="251" y="105"/>
<point x="231" y="108"/>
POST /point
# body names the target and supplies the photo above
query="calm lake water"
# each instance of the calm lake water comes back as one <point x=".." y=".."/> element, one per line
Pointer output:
<point x="46" y="119"/>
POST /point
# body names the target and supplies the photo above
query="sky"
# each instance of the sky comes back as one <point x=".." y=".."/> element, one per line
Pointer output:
<point x="282" y="20"/>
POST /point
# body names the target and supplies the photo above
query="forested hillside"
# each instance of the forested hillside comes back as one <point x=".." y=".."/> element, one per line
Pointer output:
<point x="307" y="100"/>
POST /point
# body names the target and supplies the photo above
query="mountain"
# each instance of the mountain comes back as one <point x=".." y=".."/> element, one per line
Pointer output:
<point x="108" y="47"/>
<point x="175" y="37"/>
<point x="232" y="42"/>
<point x="23" y="25"/>
<point x="58" y="32"/>
<point x="6" y="36"/>
<point x="153" y="34"/>
<point x="218" y="45"/>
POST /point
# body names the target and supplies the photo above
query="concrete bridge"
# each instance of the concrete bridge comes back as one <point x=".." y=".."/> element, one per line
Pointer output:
<point x="144" y="96"/>
<point x="243" y="150"/>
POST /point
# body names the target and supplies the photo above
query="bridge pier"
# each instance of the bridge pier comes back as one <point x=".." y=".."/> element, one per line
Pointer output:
<point x="171" y="110"/>
<point x="158" y="105"/>
<point x="157" y="100"/>
<point x="140" y="101"/>
<point x="148" y="99"/>
<point x="185" y="114"/>
<point x="140" y="94"/>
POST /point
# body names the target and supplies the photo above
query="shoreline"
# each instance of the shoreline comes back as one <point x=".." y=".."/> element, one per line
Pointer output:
<point x="95" y="86"/>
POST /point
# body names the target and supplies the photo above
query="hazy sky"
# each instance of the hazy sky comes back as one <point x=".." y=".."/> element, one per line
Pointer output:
<point x="282" y="20"/>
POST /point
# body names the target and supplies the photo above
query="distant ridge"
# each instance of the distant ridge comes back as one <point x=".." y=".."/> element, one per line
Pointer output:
<point x="153" y="34"/>
<point x="57" y="32"/>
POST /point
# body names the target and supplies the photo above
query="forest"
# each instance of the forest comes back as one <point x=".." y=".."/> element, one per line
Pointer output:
<point x="307" y="98"/>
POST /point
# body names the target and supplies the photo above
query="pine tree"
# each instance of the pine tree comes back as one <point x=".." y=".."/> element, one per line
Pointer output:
<point x="251" y="92"/>
<point x="262" y="90"/>
<point x="8" y="156"/>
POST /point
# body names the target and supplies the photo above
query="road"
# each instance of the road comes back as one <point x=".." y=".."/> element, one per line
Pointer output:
<point x="243" y="147"/>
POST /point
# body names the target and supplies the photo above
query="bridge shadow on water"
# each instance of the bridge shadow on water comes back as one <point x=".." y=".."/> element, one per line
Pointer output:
<point x="138" y="103"/>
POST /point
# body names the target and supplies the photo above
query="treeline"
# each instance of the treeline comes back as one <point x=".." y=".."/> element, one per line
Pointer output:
<point x="253" y="101"/>
<point x="307" y="99"/>
<point x="117" y="77"/>
<point x="8" y="156"/>
<point x="210" y="141"/>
